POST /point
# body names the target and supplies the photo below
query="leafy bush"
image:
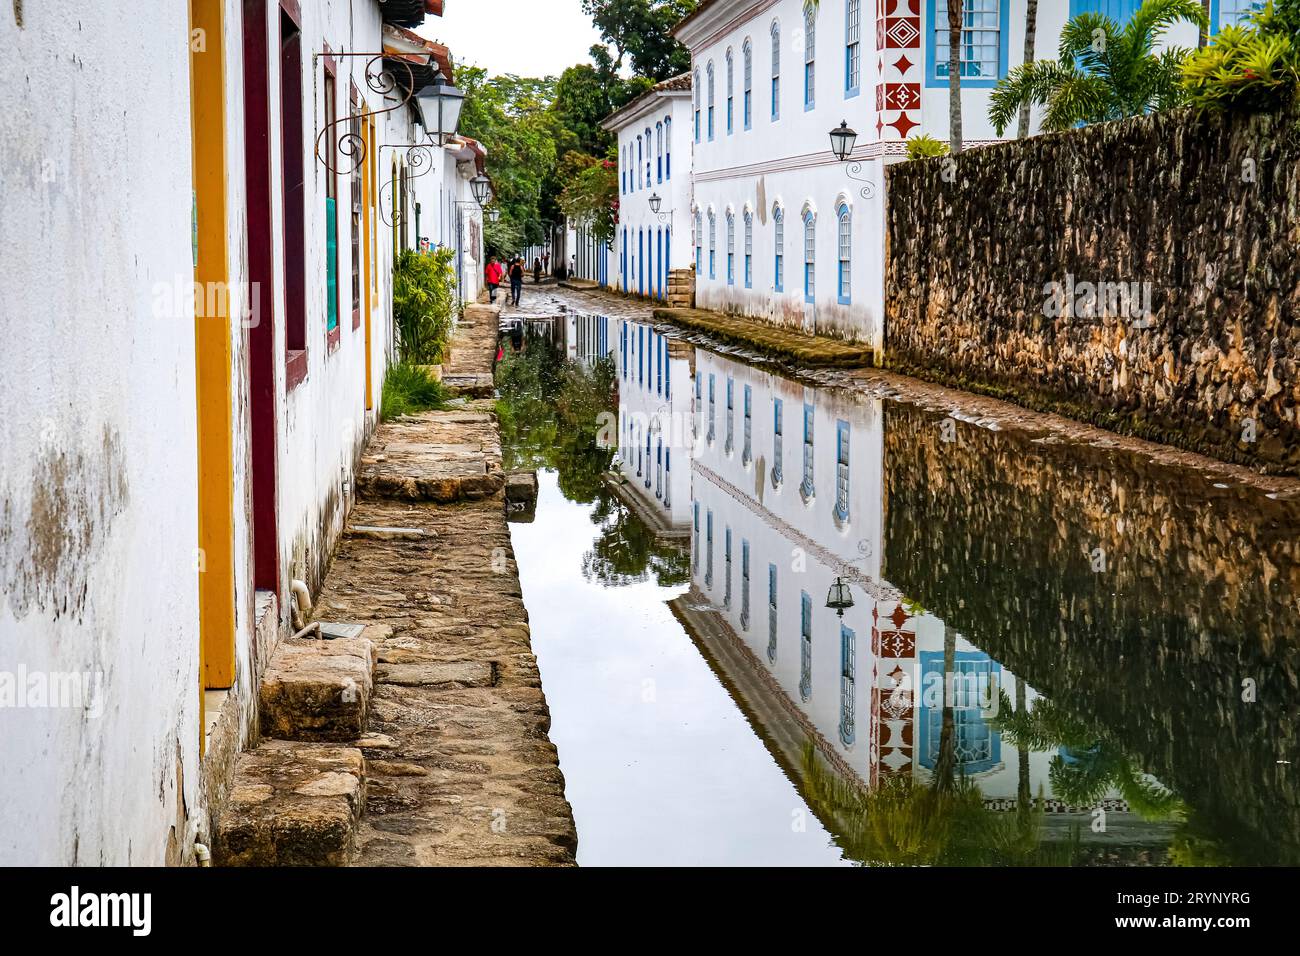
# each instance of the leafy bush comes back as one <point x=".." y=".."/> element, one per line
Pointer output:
<point x="925" y="147"/>
<point x="1251" y="67"/>
<point x="409" y="389"/>
<point x="423" y="304"/>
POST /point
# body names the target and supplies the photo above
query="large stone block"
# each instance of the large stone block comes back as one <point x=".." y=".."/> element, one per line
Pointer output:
<point x="292" y="804"/>
<point x="318" y="690"/>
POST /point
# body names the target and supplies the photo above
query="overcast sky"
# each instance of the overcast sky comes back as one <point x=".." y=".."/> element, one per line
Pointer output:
<point x="525" y="37"/>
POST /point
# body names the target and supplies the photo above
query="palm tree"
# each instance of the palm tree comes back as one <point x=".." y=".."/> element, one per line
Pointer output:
<point x="1031" y="37"/>
<point x="1103" y="71"/>
<point x="954" y="75"/>
<point x="1204" y="36"/>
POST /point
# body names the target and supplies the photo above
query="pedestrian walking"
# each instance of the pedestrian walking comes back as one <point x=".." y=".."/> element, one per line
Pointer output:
<point x="492" y="276"/>
<point x="517" y="280"/>
<point x="546" y="263"/>
<point x="537" y="270"/>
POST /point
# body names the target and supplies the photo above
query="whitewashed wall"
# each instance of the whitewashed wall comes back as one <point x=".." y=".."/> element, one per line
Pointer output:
<point x="98" y="521"/>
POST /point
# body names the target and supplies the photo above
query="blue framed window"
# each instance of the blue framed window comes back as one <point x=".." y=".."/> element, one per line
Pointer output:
<point x="806" y="487"/>
<point x="809" y="257"/>
<point x="640" y="355"/>
<point x="845" y="226"/>
<point x="730" y="444"/>
<point x="747" y="454"/>
<point x="1232" y="13"/>
<point x="713" y="245"/>
<point x="1117" y="10"/>
<point x="852" y="47"/>
<point x="778" y="455"/>
<point x="726" y="557"/>
<point x="648" y="162"/>
<point x="668" y="147"/>
<point x="744" y="585"/>
<point x="731" y="248"/>
<point x="659" y="151"/>
<point x="668" y="369"/>
<point x="776" y="70"/>
<point x="771" y="612"/>
<point x="695" y="550"/>
<point x="848" y="684"/>
<point x="731" y="79"/>
<point x="984" y="43"/>
<point x="659" y="364"/>
<point x="708" y="549"/>
<point x="697" y="105"/>
<point x="639" y="159"/>
<point x="809" y="55"/>
<point x="978" y="747"/>
<point x="709" y="71"/>
<point x="713" y="407"/>
<point x="778" y="227"/>
<point x="749" y="249"/>
<point x="747" y="55"/>
<point x="842" y="470"/>
<point x="699" y="242"/>
<point x="623" y="346"/>
<point x="805" y="645"/>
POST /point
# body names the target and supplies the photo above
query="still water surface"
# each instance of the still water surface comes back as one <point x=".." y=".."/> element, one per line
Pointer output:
<point x="1054" y="654"/>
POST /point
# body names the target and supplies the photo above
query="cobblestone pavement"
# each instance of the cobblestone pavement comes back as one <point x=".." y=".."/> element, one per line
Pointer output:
<point x="460" y="770"/>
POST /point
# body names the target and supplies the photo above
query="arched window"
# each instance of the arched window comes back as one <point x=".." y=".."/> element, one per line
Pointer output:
<point x="731" y="248"/>
<point x="809" y="54"/>
<point x="778" y="226"/>
<point x="776" y="71"/>
<point x="699" y="242"/>
<point x="848" y="685"/>
<point x="668" y="147"/>
<point x="638" y="162"/>
<point x="713" y="245"/>
<point x="846" y="255"/>
<point x="748" y="67"/>
<point x="809" y="256"/>
<point x="853" y="48"/>
<point x="709" y="71"/>
<point x="749" y="249"/>
<point x="659" y="151"/>
<point x="648" y="142"/>
<point x="731" y="78"/>
<point x="805" y="645"/>
<point x="696" y="83"/>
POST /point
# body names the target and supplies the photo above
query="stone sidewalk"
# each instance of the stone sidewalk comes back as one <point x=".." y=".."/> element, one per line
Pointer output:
<point x="459" y="767"/>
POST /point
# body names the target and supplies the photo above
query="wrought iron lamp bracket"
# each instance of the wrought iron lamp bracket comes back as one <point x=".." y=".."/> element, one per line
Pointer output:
<point x="352" y="145"/>
<point x="854" y="173"/>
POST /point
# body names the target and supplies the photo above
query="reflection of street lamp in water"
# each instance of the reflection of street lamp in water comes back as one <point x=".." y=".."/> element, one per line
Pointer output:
<point x="839" y="598"/>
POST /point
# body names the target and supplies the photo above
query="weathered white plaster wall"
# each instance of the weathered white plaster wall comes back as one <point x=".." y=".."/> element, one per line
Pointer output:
<point x="98" y="521"/>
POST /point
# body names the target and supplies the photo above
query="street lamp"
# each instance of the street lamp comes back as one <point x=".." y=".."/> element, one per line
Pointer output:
<point x="494" y="214"/>
<point x="440" y="106"/>
<point x="481" y="187"/>
<point x="839" y="598"/>
<point x="843" y="139"/>
<point x="655" y="203"/>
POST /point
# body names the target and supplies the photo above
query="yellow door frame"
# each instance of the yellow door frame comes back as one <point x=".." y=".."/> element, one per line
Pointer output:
<point x="367" y="200"/>
<point x="212" y="354"/>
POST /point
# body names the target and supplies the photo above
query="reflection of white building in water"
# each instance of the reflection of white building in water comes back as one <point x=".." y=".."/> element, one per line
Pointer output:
<point x="654" y="388"/>
<point x="788" y="495"/>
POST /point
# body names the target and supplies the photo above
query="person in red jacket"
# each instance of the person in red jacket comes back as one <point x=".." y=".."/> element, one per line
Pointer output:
<point x="492" y="275"/>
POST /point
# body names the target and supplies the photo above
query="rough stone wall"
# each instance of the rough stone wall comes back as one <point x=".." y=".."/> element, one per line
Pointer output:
<point x="1203" y="213"/>
<point x="681" y="289"/>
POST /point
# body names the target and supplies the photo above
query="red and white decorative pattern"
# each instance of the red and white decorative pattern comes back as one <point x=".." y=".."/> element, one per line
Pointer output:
<point x="893" y="696"/>
<point x="899" y="65"/>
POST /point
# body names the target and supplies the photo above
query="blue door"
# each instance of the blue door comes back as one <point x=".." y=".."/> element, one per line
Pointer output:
<point x="640" y="262"/>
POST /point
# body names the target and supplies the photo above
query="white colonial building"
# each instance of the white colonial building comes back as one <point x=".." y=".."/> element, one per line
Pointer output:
<point x="652" y="248"/>
<point x="782" y="229"/>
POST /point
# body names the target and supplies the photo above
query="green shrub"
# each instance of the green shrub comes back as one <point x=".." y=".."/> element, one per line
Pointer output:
<point x="409" y="389"/>
<point x="925" y="147"/>
<point x="1252" y="67"/>
<point x="424" y="301"/>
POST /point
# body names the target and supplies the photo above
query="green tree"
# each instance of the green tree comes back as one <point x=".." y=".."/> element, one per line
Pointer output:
<point x="1103" y="71"/>
<point x="639" y="32"/>
<point x="591" y="193"/>
<point x="582" y="100"/>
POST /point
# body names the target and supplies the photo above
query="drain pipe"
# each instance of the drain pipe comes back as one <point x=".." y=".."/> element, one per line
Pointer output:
<point x="300" y="610"/>
<point x="202" y="854"/>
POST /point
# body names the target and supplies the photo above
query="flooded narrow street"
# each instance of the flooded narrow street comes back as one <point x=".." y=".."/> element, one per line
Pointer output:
<point x="786" y="624"/>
